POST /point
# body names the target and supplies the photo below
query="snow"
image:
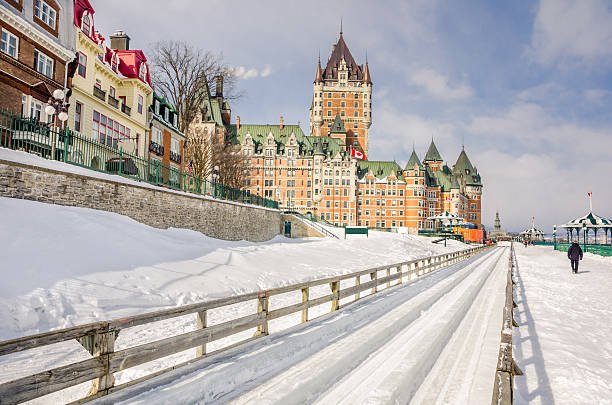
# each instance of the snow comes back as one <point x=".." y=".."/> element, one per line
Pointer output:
<point x="66" y="266"/>
<point x="563" y="341"/>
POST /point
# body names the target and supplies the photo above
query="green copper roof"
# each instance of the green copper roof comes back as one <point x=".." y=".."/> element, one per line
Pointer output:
<point x="432" y="153"/>
<point x="308" y="145"/>
<point x="414" y="160"/>
<point x="443" y="180"/>
<point x="380" y="169"/>
<point x="338" y="126"/>
<point x="463" y="168"/>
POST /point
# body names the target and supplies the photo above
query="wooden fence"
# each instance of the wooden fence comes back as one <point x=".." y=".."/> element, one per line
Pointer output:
<point x="99" y="337"/>
<point x="506" y="367"/>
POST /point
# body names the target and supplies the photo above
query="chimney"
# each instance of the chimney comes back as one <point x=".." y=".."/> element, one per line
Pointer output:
<point x="237" y="121"/>
<point x="120" y="41"/>
<point x="281" y="123"/>
<point x="219" y="88"/>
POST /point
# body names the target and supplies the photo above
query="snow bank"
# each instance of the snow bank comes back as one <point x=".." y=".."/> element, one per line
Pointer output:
<point x="64" y="266"/>
<point x="563" y="343"/>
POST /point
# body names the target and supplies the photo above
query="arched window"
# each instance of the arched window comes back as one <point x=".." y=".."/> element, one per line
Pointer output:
<point x="86" y="23"/>
<point x="143" y="72"/>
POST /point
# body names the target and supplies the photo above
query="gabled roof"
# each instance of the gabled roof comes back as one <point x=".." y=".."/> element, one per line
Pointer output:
<point x="432" y="154"/>
<point x="340" y="52"/>
<point x="414" y="160"/>
<point x="338" y="126"/>
<point x="380" y="169"/>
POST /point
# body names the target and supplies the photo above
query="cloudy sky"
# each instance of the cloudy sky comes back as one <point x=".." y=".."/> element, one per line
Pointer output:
<point x="525" y="85"/>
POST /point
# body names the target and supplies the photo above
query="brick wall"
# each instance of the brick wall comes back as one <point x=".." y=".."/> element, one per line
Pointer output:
<point x="154" y="207"/>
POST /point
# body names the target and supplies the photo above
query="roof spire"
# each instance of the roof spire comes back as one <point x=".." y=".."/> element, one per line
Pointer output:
<point x="340" y="25"/>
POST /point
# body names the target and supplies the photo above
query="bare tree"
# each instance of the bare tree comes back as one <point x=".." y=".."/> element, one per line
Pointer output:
<point x="183" y="74"/>
<point x="206" y="151"/>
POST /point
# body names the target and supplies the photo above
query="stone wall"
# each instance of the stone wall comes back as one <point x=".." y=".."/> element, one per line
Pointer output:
<point x="153" y="206"/>
<point x="298" y="228"/>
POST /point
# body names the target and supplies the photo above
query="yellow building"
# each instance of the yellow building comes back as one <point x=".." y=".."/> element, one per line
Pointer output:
<point x="111" y="92"/>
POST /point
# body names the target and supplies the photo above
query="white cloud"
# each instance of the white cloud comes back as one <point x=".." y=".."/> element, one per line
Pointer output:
<point x="437" y="85"/>
<point x="572" y="29"/>
<point x="244" y="73"/>
<point x="267" y="70"/>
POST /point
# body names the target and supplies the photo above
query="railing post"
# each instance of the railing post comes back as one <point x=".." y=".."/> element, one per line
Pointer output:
<point x="262" y="307"/>
<point x="305" y="294"/>
<point x="121" y="161"/>
<point x="374" y="276"/>
<point x="101" y="344"/>
<point x="388" y="274"/>
<point x="335" y="289"/>
<point x="357" y="284"/>
<point x="399" y="269"/>
<point x="201" y="324"/>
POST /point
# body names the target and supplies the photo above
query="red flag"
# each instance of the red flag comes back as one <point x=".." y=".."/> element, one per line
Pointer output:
<point x="357" y="154"/>
<point x="590" y="193"/>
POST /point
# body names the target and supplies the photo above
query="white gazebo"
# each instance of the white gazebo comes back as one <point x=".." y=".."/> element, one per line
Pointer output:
<point x="533" y="233"/>
<point x="446" y="217"/>
<point x="586" y="223"/>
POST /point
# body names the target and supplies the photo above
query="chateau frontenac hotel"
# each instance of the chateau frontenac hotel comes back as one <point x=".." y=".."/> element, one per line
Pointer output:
<point x="317" y="174"/>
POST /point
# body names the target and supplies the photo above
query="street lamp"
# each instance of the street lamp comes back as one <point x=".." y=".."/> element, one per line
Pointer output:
<point x="584" y="235"/>
<point x="215" y="177"/>
<point x="555" y="237"/>
<point x="57" y="106"/>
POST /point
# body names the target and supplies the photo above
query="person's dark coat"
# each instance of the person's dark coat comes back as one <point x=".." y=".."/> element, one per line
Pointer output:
<point x="574" y="252"/>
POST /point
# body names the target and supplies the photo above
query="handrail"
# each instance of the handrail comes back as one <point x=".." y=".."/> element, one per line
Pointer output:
<point x="313" y="224"/>
<point x="506" y="367"/>
<point x="99" y="337"/>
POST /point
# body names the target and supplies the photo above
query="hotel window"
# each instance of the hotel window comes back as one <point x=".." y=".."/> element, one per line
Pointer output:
<point x="111" y="91"/>
<point x="175" y="146"/>
<point x="342" y="113"/>
<point x="157" y="107"/>
<point x="10" y="44"/>
<point x="166" y="114"/>
<point x="343" y="95"/>
<point x="82" y="69"/>
<point x="140" y="103"/>
<point x="45" y="13"/>
<point x="342" y="104"/>
<point x="329" y="103"/>
<point x="43" y="64"/>
<point x="356" y="104"/>
<point x="78" y="111"/>
<point x="356" y="114"/>
<point x="35" y="109"/>
<point x="329" y="115"/>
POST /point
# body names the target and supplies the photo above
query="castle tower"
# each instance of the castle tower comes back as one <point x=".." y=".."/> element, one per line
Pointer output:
<point x="343" y="88"/>
<point x="497" y="226"/>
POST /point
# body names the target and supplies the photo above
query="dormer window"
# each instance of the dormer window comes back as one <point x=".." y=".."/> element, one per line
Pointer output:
<point x="166" y="114"/>
<point x="156" y="107"/>
<point x="86" y="23"/>
<point x="142" y="74"/>
<point x="115" y="62"/>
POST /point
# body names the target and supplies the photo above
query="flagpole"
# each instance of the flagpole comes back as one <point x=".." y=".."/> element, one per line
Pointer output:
<point x="591" y="201"/>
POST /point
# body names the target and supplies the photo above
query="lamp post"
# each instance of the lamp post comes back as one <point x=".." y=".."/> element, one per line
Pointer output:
<point x="215" y="177"/>
<point x="555" y="237"/>
<point x="584" y="235"/>
<point x="57" y="106"/>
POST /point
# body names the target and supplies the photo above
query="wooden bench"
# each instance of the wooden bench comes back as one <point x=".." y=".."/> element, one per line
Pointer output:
<point x="356" y="230"/>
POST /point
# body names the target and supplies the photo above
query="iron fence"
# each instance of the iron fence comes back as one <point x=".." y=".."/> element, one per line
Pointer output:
<point x="104" y="154"/>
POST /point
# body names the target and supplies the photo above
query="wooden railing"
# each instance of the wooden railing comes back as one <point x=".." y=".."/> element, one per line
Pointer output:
<point x="506" y="367"/>
<point x="99" y="337"/>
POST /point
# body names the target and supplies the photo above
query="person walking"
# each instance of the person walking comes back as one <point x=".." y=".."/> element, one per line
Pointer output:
<point x="574" y="253"/>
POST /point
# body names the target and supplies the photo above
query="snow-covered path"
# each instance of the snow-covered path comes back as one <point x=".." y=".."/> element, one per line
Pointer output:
<point x="380" y="349"/>
<point x="563" y="343"/>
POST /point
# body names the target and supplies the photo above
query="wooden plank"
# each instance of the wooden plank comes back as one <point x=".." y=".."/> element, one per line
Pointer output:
<point x="142" y="319"/>
<point x="284" y="311"/>
<point x="502" y="389"/>
<point x="47" y="338"/>
<point x="144" y="353"/>
<point x="321" y="300"/>
<point x="374" y="276"/>
<point x="46" y="382"/>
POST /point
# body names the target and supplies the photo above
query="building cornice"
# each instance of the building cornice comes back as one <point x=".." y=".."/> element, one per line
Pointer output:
<point x="35" y="34"/>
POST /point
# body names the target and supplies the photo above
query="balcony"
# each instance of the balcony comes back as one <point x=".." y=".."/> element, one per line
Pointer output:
<point x="126" y="110"/>
<point x="113" y="101"/>
<point x="98" y="92"/>
<point x="156" y="148"/>
<point x="175" y="157"/>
